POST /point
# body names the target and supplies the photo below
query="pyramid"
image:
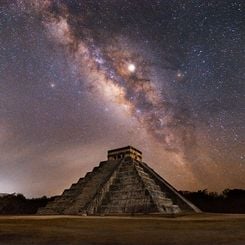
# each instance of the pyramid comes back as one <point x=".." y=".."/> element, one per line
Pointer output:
<point x="123" y="184"/>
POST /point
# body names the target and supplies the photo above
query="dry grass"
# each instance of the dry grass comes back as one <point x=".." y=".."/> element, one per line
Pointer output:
<point x="204" y="229"/>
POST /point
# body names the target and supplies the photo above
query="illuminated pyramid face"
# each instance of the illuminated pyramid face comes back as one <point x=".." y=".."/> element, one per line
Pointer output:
<point x="121" y="185"/>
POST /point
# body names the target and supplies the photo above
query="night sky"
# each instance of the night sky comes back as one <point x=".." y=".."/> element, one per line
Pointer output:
<point x="80" y="77"/>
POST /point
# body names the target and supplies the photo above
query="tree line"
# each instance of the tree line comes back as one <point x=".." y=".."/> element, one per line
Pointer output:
<point x="19" y="204"/>
<point x="229" y="201"/>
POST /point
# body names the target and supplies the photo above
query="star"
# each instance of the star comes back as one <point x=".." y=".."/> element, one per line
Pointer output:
<point x="180" y="74"/>
<point x="52" y="85"/>
<point x="131" y="68"/>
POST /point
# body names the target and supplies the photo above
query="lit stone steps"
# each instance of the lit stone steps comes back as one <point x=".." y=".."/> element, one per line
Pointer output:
<point x="135" y="191"/>
<point x="130" y="181"/>
<point x="75" y="188"/>
<point x="129" y="207"/>
<point x="127" y="196"/>
<point x="163" y="203"/>
<point x="127" y="193"/>
<point x="90" y="189"/>
<point x="69" y="196"/>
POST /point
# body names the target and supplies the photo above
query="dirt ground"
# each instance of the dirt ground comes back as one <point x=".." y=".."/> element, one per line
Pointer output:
<point x="201" y="229"/>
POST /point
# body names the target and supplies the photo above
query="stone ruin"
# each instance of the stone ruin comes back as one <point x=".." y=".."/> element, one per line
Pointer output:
<point x="121" y="185"/>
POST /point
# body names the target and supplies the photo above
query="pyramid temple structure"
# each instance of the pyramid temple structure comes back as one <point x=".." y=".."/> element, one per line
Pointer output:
<point x="123" y="184"/>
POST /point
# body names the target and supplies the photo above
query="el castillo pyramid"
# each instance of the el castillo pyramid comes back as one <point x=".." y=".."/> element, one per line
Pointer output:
<point x="121" y="185"/>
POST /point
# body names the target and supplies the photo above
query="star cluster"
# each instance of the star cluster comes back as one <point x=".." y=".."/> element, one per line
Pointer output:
<point x="81" y="77"/>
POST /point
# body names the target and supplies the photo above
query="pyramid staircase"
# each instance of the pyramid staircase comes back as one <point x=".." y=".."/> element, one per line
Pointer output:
<point x="121" y="185"/>
<point x="133" y="191"/>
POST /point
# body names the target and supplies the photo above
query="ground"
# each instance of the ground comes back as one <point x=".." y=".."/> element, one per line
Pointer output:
<point x="201" y="229"/>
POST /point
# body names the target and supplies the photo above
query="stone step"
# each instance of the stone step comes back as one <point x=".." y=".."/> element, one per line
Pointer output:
<point x="125" y="187"/>
<point x="140" y="208"/>
<point x="122" y="182"/>
<point x="154" y="188"/>
<point x="124" y="168"/>
<point x="126" y="173"/>
<point x="139" y="168"/>
<point x="136" y="191"/>
<point x="124" y="195"/>
<point x="143" y="174"/>
<point x="128" y="177"/>
<point x="131" y="201"/>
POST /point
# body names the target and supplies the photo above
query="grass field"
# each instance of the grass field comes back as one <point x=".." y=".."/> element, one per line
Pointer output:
<point x="202" y="229"/>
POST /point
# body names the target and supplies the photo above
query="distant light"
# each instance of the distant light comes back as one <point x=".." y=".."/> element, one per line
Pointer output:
<point x="131" y="67"/>
<point x="52" y="85"/>
<point x="179" y="74"/>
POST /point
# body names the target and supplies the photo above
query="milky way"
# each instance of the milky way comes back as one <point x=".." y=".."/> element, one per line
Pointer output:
<point x="80" y="77"/>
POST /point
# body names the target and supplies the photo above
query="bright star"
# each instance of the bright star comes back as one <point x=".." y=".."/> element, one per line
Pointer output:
<point x="52" y="85"/>
<point x="131" y="67"/>
<point x="179" y="74"/>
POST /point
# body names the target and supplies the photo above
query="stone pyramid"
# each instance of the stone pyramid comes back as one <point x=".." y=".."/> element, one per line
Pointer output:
<point x="121" y="185"/>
